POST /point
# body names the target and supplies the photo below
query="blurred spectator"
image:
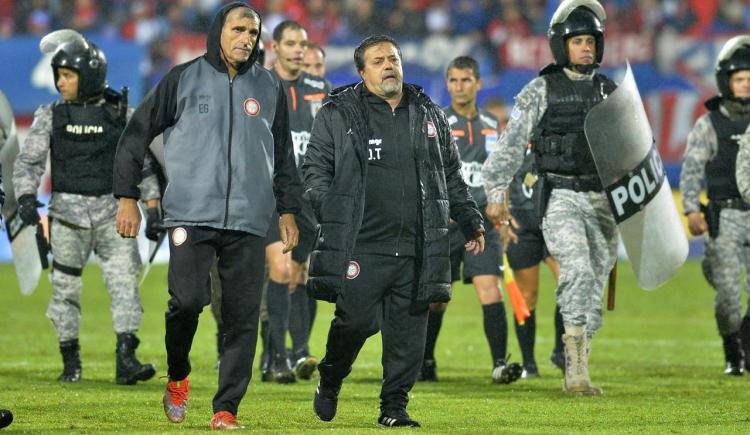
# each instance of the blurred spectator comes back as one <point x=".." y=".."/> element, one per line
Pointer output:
<point x="39" y="21"/>
<point x="407" y="20"/>
<point x="511" y="22"/>
<point x="438" y="18"/>
<point x="85" y="15"/>
<point x="145" y="26"/>
<point x="650" y="15"/>
<point x="349" y="20"/>
<point x="323" y="20"/>
<point x="7" y="26"/>
<point x="274" y="14"/>
<point x="678" y="16"/>
<point x="534" y="13"/>
<point x="730" y="17"/>
<point x="470" y="16"/>
<point x="364" y="21"/>
<point x="159" y="64"/>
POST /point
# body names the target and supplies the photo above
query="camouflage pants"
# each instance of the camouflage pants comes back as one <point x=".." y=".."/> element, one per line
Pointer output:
<point x="725" y="257"/>
<point x="581" y="235"/>
<point x="119" y="260"/>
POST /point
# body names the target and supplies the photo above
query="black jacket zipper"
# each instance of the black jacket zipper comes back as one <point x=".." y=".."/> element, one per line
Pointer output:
<point x="229" y="156"/>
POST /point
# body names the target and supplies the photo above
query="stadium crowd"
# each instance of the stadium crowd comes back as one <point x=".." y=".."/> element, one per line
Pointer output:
<point x="337" y="21"/>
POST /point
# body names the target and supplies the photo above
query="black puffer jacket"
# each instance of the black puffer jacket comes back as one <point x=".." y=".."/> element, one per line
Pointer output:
<point x="335" y="172"/>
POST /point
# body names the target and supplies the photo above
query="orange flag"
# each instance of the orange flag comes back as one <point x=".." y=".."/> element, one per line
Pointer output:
<point x="520" y="310"/>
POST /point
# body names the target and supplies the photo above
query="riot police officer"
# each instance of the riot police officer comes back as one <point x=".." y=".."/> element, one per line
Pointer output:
<point x="711" y="155"/>
<point x="577" y="224"/>
<point x="81" y="132"/>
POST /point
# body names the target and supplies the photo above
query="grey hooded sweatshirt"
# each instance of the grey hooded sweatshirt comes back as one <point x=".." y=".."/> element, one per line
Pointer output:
<point x="227" y="145"/>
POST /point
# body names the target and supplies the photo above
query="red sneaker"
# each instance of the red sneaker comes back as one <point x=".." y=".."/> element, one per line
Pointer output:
<point x="176" y="400"/>
<point x="224" y="420"/>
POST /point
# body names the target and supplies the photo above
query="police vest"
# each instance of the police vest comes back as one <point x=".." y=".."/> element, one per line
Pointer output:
<point x="84" y="139"/>
<point x="559" y="142"/>
<point x="721" y="182"/>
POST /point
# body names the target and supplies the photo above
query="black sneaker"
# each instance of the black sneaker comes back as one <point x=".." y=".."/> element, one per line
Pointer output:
<point x="733" y="369"/>
<point x="6" y="418"/>
<point x="530" y="371"/>
<point x="325" y="402"/>
<point x="396" y="418"/>
<point x="557" y="358"/>
<point x="733" y="355"/>
<point x="506" y="373"/>
<point x="428" y="372"/>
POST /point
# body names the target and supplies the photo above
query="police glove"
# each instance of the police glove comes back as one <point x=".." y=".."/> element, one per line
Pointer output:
<point x="27" y="205"/>
<point x="154" y="224"/>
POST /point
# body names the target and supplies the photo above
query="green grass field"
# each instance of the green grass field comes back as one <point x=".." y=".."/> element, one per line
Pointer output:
<point x="658" y="358"/>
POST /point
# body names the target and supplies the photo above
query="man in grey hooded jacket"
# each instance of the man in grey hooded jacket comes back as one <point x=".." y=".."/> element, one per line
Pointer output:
<point x="228" y="156"/>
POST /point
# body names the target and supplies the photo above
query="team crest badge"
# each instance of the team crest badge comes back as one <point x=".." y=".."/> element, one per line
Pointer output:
<point x="251" y="106"/>
<point x="353" y="270"/>
<point x="179" y="235"/>
<point x="431" y="130"/>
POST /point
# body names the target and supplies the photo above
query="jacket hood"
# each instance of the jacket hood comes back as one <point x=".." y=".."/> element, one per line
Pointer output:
<point x="213" y="40"/>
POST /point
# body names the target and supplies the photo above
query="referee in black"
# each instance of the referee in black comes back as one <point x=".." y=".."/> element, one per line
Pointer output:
<point x="475" y="132"/>
<point x="383" y="176"/>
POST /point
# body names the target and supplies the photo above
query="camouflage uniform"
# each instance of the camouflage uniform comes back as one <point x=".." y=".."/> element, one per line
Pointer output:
<point x="743" y="167"/>
<point x="578" y="227"/>
<point x="726" y="252"/>
<point x="79" y="225"/>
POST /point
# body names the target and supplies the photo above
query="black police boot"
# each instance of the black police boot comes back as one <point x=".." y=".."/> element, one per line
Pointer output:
<point x="281" y="370"/>
<point x="396" y="418"/>
<point x="71" y="355"/>
<point x="733" y="355"/>
<point x="129" y="369"/>
<point x="745" y="339"/>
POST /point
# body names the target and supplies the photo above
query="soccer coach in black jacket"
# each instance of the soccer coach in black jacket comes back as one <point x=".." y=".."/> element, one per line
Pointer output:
<point x="228" y="153"/>
<point x="383" y="177"/>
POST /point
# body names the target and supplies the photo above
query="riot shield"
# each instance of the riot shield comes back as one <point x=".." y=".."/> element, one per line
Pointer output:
<point x="633" y="177"/>
<point x="29" y="252"/>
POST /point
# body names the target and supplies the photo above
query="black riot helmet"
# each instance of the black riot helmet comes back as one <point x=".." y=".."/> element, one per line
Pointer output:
<point x="574" y="18"/>
<point x="72" y="50"/>
<point x="733" y="57"/>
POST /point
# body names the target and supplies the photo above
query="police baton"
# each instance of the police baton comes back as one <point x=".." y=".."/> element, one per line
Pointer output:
<point x="612" y="288"/>
<point x="42" y="246"/>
